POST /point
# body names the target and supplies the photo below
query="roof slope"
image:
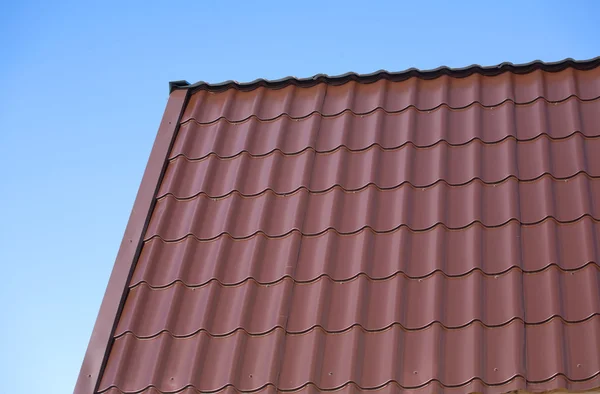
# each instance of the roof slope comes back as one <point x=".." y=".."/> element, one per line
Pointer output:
<point x="427" y="231"/>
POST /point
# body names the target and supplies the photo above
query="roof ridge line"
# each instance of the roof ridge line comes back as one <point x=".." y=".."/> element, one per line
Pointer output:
<point x="459" y="72"/>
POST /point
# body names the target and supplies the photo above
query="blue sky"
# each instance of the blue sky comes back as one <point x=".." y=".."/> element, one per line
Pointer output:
<point x="83" y="88"/>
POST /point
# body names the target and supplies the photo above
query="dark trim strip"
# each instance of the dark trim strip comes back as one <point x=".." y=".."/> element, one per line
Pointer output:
<point x="463" y="72"/>
<point x="116" y="291"/>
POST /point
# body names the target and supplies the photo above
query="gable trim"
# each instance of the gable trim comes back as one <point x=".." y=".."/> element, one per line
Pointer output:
<point x="101" y="339"/>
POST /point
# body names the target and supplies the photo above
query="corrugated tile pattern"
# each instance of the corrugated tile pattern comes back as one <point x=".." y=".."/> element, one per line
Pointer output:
<point x="424" y="235"/>
<point x="419" y="209"/>
<point x="355" y="170"/>
<point x="336" y="306"/>
<point x="363" y="98"/>
<point x="390" y="130"/>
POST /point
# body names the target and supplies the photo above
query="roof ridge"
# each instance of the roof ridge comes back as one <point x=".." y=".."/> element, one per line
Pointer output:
<point x="460" y="72"/>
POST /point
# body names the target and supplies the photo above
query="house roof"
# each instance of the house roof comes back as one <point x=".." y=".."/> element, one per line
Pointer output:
<point x="422" y="231"/>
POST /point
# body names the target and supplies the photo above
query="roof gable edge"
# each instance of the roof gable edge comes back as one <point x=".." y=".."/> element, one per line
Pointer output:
<point x="116" y="291"/>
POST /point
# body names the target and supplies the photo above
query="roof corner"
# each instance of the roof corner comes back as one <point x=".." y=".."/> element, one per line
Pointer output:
<point x="175" y="85"/>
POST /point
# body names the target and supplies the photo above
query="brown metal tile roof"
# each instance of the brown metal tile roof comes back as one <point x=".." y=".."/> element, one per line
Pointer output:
<point x="423" y="232"/>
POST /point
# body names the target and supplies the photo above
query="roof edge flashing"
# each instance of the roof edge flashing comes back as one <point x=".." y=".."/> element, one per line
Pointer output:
<point x="462" y="72"/>
<point x="102" y="336"/>
<point x="177" y="85"/>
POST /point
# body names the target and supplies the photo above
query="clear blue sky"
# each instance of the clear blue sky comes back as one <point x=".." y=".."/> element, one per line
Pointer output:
<point x="83" y="89"/>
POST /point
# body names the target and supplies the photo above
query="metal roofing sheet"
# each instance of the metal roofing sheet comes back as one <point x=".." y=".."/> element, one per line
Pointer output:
<point x="416" y="232"/>
<point x="337" y="306"/>
<point x="419" y="209"/>
<point x="360" y="98"/>
<point x="370" y="360"/>
<point x="493" y="251"/>
<point x="454" y="165"/>
<point x="390" y="130"/>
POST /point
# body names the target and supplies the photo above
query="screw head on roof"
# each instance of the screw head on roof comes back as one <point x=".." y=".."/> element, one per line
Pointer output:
<point x="578" y="365"/>
<point x="495" y="369"/>
<point x="415" y="372"/>
<point x="330" y="373"/>
<point x="250" y="375"/>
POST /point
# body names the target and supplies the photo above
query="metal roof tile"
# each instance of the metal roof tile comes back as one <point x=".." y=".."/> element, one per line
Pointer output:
<point x="415" y="232"/>
<point x="373" y="304"/>
<point x="419" y="209"/>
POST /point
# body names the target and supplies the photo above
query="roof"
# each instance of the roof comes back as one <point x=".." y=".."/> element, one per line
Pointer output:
<point x="424" y="231"/>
